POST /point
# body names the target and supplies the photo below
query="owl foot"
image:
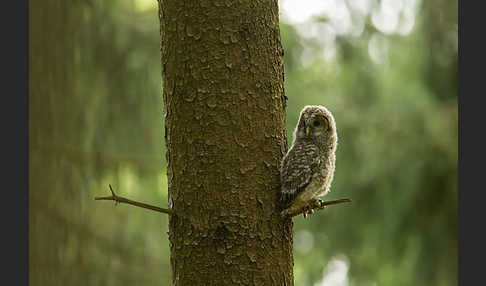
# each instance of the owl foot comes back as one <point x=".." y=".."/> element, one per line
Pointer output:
<point x="307" y="210"/>
<point x="320" y="203"/>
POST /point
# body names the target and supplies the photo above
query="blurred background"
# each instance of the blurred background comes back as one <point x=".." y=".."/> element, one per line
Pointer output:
<point x="386" y="69"/>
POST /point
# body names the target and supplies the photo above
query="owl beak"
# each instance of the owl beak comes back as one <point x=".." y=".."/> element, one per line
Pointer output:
<point x="307" y="131"/>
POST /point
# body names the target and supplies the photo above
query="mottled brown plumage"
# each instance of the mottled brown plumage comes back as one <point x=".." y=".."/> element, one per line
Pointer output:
<point x="307" y="169"/>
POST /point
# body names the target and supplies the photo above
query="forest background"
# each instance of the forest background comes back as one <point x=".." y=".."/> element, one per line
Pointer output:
<point x="386" y="69"/>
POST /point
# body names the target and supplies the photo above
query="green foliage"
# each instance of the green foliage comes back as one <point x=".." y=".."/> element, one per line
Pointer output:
<point x="96" y="117"/>
<point x="396" y="157"/>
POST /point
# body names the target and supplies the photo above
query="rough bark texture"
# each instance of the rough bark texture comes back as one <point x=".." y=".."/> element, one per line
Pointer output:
<point x="222" y="69"/>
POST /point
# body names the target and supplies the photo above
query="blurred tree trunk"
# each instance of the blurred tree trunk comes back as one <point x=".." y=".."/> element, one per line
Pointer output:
<point x="222" y="70"/>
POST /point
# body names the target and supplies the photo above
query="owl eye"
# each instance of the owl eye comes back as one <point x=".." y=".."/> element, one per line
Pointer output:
<point x="316" y="123"/>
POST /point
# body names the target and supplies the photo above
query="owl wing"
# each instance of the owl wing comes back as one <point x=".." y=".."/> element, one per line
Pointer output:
<point x="297" y="169"/>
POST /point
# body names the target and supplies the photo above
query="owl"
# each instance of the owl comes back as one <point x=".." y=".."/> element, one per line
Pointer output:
<point x="307" y="169"/>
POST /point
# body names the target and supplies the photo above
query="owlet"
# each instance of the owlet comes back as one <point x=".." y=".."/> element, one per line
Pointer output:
<point x="307" y="169"/>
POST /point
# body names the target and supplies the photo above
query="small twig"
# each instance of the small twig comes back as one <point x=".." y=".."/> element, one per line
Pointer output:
<point x="316" y="205"/>
<point x="119" y="199"/>
<point x="323" y="205"/>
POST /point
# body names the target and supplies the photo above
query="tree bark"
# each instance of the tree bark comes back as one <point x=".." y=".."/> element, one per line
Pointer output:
<point x="222" y="71"/>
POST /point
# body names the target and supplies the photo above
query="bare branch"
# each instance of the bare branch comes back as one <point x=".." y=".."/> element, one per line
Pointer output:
<point x="119" y="199"/>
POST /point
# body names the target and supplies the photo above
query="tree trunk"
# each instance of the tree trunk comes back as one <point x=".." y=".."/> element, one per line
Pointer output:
<point x="222" y="69"/>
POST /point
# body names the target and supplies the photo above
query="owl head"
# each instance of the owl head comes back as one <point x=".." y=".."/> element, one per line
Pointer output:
<point x="316" y="123"/>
